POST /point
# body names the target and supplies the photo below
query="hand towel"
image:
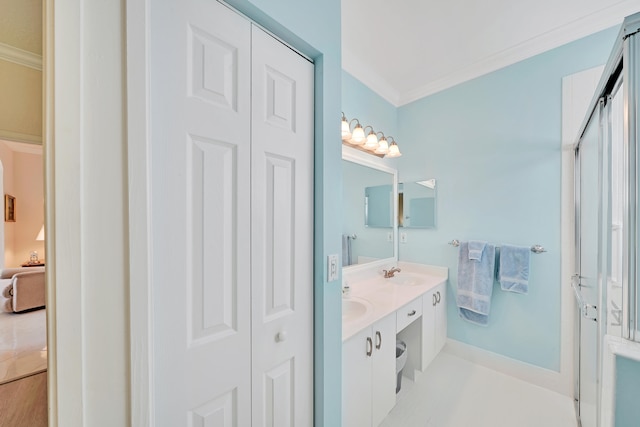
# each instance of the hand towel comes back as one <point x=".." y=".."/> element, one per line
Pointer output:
<point x="475" y="249"/>
<point x="513" y="268"/>
<point x="346" y="250"/>
<point x="475" y="284"/>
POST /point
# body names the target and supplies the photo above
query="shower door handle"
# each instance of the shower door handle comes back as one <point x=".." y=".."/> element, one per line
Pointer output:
<point x="584" y="307"/>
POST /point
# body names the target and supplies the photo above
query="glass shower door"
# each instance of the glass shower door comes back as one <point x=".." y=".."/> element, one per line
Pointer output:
<point x="587" y="283"/>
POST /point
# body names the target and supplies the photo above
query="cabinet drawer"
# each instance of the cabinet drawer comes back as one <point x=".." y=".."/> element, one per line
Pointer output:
<point x="408" y="314"/>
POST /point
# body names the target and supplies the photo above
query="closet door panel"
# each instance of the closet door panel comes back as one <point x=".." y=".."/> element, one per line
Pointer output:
<point x="200" y="165"/>
<point x="282" y="234"/>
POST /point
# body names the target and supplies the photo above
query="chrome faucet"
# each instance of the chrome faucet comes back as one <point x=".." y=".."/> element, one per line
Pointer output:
<point x="390" y="273"/>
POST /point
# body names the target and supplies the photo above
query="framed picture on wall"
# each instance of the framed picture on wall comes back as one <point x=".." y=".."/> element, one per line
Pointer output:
<point x="9" y="208"/>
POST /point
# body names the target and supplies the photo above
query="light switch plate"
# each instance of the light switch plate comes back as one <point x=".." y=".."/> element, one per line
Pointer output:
<point x="332" y="268"/>
<point x="389" y="236"/>
<point x="403" y="237"/>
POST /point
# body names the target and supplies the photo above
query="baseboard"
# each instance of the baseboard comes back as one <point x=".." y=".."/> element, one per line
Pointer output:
<point x="542" y="377"/>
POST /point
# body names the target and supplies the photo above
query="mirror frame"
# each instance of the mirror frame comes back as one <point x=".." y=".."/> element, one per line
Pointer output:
<point x="355" y="156"/>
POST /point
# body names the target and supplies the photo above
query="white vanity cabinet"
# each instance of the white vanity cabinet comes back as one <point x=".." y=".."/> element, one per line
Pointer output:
<point x="368" y="374"/>
<point x="434" y="323"/>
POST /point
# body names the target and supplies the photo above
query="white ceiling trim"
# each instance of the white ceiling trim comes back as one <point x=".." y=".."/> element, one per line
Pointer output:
<point x="580" y="28"/>
<point x="575" y="30"/>
<point x="20" y="57"/>
<point x="369" y="77"/>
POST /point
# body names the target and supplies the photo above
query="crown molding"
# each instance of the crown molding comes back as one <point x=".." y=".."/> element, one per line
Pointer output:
<point x="20" y="57"/>
<point x="7" y="136"/>
<point x="557" y="37"/>
<point x="369" y="77"/>
<point x="552" y="39"/>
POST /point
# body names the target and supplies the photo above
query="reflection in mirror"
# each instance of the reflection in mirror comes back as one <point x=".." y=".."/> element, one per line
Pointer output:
<point x="368" y="213"/>
<point x="417" y="204"/>
<point x="378" y="206"/>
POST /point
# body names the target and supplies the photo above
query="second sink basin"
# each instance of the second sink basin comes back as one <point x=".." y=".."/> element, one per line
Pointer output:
<point x="405" y="279"/>
<point x="354" y="309"/>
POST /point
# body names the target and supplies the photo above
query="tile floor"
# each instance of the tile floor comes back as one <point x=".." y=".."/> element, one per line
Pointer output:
<point x="456" y="393"/>
<point x="23" y="344"/>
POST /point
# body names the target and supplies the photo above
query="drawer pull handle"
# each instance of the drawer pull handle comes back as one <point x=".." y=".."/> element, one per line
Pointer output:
<point x="411" y="313"/>
<point x="378" y="340"/>
<point x="369" y="347"/>
<point x="438" y="298"/>
<point x="435" y="299"/>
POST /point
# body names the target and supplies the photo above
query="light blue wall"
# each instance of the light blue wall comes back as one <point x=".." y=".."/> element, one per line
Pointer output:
<point x="358" y="101"/>
<point x="494" y="145"/>
<point x="314" y="28"/>
<point x="627" y="409"/>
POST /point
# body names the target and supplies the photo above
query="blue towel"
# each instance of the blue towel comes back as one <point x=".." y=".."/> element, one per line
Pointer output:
<point x="513" y="273"/>
<point x="475" y="284"/>
<point x="475" y="249"/>
<point x="346" y="250"/>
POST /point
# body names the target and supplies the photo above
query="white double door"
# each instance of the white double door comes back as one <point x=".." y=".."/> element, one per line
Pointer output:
<point x="232" y="221"/>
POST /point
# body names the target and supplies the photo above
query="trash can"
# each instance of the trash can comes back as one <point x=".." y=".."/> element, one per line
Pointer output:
<point x="401" y="360"/>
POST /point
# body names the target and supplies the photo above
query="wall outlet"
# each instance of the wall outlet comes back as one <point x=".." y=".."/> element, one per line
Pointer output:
<point x="332" y="268"/>
<point x="390" y="236"/>
<point x="403" y="237"/>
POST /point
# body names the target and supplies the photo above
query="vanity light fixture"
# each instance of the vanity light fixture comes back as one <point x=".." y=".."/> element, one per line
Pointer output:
<point x="383" y="145"/>
<point x="372" y="140"/>
<point x="346" y="131"/>
<point x="357" y="136"/>
<point x="370" y="143"/>
<point x="394" y="151"/>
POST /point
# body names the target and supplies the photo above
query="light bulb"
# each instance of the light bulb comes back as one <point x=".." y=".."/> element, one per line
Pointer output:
<point x="372" y="141"/>
<point x="383" y="146"/>
<point x="346" y="132"/>
<point x="394" y="151"/>
<point x="357" y="136"/>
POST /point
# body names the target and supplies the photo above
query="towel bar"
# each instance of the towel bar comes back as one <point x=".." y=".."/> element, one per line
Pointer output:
<point x="536" y="249"/>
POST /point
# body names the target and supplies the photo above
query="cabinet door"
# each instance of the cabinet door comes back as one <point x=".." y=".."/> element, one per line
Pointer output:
<point x="356" y="380"/>
<point x="383" y="368"/>
<point x="429" y="304"/>
<point x="440" y="334"/>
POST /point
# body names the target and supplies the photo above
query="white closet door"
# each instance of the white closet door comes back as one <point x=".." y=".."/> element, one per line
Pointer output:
<point x="282" y="234"/>
<point x="200" y="162"/>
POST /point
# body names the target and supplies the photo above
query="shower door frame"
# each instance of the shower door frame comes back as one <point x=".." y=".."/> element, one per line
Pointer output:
<point x="623" y="64"/>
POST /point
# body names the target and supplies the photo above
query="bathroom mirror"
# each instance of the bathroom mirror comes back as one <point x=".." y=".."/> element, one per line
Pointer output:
<point x="369" y="197"/>
<point x="417" y="204"/>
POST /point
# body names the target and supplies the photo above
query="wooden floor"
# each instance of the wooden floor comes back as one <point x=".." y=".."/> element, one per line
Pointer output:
<point x="23" y="402"/>
<point x="23" y="369"/>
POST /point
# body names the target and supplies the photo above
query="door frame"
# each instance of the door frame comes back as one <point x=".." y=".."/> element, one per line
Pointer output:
<point x="140" y="296"/>
<point x="84" y="142"/>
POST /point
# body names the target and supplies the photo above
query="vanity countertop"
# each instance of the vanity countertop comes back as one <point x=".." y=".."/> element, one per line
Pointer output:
<point x="385" y="296"/>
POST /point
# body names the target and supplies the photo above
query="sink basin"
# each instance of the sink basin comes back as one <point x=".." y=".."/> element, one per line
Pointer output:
<point x="405" y="279"/>
<point x="354" y="309"/>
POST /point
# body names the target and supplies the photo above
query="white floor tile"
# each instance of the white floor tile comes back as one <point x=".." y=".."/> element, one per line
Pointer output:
<point x="456" y="393"/>
<point x="23" y="344"/>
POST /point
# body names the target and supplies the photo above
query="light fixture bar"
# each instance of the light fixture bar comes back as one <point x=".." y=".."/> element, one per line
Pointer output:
<point x="358" y="138"/>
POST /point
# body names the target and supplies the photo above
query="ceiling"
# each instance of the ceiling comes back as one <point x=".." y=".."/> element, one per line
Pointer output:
<point x="407" y="49"/>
